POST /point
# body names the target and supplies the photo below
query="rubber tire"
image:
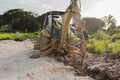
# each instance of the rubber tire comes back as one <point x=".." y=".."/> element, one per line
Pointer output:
<point x="44" y="41"/>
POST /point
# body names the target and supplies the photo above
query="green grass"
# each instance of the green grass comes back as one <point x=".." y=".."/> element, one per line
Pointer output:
<point x="102" y="46"/>
<point x="98" y="46"/>
<point x="13" y="36"/>
<point x="115" y="37"/>
<point x="114" y="47"/>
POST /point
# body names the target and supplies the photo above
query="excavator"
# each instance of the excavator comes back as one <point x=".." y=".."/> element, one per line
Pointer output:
<point x="63" y="31"/>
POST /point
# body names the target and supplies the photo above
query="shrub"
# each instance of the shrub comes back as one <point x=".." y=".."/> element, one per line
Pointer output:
<point x="92" y="36"/>
<point x="100" y="49"/>
<point x="102" y="35"/>
<point x="32" y="35"/>
<point x="115" y="37"/>
<point x="102" y="46"/>
<point x="90" y="45"/>
<point x="116" y="30"/>
<point x="98" y="46"/>
<point x="114" y="47"/>
<point x="13" y="36"/>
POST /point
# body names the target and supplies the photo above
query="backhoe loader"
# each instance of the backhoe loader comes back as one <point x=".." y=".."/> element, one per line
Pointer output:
<point x="63" y="31"/>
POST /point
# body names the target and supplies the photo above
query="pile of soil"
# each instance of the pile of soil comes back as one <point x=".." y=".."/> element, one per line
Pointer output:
<point x="95" y="66"/>
<point x="100" y="68"/>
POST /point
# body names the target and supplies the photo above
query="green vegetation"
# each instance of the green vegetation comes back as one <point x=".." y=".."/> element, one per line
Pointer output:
<point x="93" y="24"/>
<point x="18" y="19"/>
<point x="21" y="36"/>
<point x="114" y="47"/>
<point x="101" y="35"/>
<point x="115" y="37"/>
<point x="98" y="46"/>
<point x="106" y="39"/>
<point x="102" y="45"/>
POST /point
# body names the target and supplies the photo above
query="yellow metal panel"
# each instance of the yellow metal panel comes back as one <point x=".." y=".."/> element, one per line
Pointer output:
<point x="66" y="20"/>
<point x="45" y="33"/>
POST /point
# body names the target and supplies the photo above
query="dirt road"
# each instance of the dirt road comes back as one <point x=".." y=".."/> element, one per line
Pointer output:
<point x="15" y="64"/>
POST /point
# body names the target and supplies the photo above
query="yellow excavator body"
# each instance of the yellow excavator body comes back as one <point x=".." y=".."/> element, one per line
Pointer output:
<point x="54" y="37"/>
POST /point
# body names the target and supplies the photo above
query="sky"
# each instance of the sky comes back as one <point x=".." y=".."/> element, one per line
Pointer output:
<point x="90" y="8"/>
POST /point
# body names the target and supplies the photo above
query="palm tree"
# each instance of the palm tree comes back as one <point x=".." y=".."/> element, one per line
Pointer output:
<point x="110" y="22"/>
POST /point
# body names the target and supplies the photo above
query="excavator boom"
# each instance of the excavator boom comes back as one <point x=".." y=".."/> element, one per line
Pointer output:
<point x="59" y="38"/>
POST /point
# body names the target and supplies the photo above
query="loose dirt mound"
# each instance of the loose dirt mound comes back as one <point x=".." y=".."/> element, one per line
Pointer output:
<point x="100" y="69"/>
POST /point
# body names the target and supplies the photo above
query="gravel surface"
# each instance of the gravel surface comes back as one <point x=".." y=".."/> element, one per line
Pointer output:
<point x="16" y="65"/>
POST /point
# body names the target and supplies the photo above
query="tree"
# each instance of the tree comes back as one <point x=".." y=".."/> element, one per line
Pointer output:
<point x="110" y="22"/>
<point x="20" y="20"/>
<point x="93" y="24"/>
<point x="41" y="19"/>
<point x="116" y="30"/>
<point x="1" y="20"/>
